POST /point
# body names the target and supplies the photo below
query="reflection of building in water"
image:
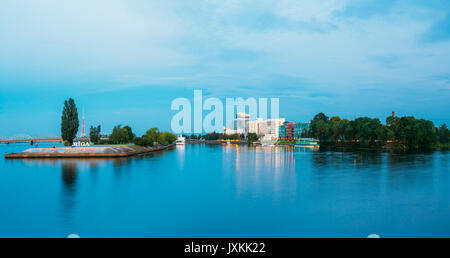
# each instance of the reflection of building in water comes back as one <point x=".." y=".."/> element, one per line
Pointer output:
<point x="280" y="159"/>
<point x="251" y="167"/>
<point x="283" y="157"/>
<point x="181" y="155"/>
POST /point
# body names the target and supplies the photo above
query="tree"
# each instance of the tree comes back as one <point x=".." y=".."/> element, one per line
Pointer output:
<point x="69" y="121"/>
<point x="444" y="134"/>
<point x="121" y="135"/>
<point x="319" y="127"/>
<point x="320" y="117"/>
<point x="139" y="141"/>
<point x="415" y="133"/>
<point x="367" y="129"/>
<point x="252" y="137"/>
<point x="94" y="135"/>
<point x="154" y="136"/>
<point x="151" y="136"/>
<point x="130" y="133"/>
<point x="166" y="138"/>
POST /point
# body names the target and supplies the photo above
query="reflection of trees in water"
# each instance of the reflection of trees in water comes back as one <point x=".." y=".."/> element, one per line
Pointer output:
<point x="69" y="180"/>
<point x="69" y="175"/>
<point x="417" y="158"/>
<point x="120" y="164"/>
<point x="379" y="170"/>
<point x="342" y="159"/>
<point x="411" y="169"/>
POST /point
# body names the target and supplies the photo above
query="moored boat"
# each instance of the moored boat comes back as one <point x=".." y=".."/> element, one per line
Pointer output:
<point x="180" y="140"/>
<point x="307" y="142"/>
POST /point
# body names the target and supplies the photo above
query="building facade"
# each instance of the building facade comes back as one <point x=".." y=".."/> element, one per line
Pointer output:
<point x="268" y="127"/>
<point x="239" y="125"/>
<point x="292" y="131"/>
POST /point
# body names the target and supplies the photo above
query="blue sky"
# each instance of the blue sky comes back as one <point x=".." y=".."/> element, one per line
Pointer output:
<point x="125" y="61"/>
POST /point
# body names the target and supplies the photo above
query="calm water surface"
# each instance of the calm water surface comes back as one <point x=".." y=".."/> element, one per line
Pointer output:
<point x="215" y="191"/>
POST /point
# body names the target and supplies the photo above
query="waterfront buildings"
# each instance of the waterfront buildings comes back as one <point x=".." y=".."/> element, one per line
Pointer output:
<point x="239" y="125"/>
<point x="292" y="131"/>
<point x="268" y="128"/>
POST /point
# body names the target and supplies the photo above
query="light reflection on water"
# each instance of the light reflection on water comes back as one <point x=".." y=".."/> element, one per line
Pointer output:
<point x="230" y="190"/>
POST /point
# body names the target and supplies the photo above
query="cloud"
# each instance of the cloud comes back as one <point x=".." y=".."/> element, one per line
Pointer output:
<point x="321" y="50"/>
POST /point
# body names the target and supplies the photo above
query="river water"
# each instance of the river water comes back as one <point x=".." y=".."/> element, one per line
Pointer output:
<point x="227" y="191"/>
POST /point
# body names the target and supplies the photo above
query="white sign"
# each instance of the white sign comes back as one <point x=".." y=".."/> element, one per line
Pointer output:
<point x="81" y="144"/>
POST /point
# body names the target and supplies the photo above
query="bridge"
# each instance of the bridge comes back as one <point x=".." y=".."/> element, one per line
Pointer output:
<point x="24" y="138"/>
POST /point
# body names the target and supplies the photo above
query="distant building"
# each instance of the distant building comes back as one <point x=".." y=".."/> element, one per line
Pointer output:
<point x="254" y="126"/>
<point x="271" y="126"/>
<point x="229" y="131"/>
<point x="266" y="129"/>
<point x="239" y="125"/>
<point x="291" y="131"/>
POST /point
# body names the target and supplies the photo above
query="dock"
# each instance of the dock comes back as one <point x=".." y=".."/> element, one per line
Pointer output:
<point x="118" y="151"/>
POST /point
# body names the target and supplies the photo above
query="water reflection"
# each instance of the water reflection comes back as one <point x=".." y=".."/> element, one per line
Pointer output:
<point x="410" y="170"/>
<point x="265" y="170"/>
<point x="181" y="155"/>
<point x="69" y="189"/>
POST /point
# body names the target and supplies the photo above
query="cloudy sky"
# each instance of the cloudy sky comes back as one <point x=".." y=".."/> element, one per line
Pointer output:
<point x="125" y="61"/>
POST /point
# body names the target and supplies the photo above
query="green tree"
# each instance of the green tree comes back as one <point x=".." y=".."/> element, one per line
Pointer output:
<point x="320" y="127"/>
<point x="94" y="135"/>
<point x="367" y="129"/>
<point x="320" y="117"/>
<point x="130" y="133"/>
<point x="166" y="138"/>
<point x="120" y="135"/>
<point x="415" y="133"/>
<point x="444" y="134"/>
<point x="150" y="138"/>
<point x="69" y="121"/>
<point x="154" y="136"/>
<point x="252" y="137"/>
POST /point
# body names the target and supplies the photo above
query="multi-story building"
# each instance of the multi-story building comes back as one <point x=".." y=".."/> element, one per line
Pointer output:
<point x="291" y="131"/>
<point x="228" y="131"/>
<point x="254" y="126"/>
<point x="239" y="125"/>
<point x="266" y="127"/>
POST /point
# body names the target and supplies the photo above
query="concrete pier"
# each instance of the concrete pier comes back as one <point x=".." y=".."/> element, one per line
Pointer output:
<point x="116" y="151"/>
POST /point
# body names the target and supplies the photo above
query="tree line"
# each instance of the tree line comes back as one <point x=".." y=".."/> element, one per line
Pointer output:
<point x="402" y="132"/>
<point x="125" y="135"/>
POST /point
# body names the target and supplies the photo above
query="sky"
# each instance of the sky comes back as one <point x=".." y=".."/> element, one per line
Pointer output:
<point x="125" y="61"/>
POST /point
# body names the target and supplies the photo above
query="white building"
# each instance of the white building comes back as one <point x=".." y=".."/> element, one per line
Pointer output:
<point x="268" y="127"/>
<point x="228" y="131"/>
<point x="239" y="125"/>
<point x="254" y="126"/>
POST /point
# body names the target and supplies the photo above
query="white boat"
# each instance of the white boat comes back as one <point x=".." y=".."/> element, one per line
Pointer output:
<point x="180" y="140"/>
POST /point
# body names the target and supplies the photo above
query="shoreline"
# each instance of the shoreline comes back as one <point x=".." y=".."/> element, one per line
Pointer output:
<point x="214" y="142"/>
<point x="89" y="154"/>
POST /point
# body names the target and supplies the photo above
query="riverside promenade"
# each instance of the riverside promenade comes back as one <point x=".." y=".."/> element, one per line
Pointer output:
<point x="117" y="151"/>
